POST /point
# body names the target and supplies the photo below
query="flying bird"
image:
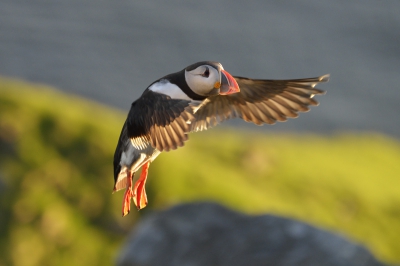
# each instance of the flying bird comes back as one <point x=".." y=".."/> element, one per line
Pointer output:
<point x="194" y="99"/>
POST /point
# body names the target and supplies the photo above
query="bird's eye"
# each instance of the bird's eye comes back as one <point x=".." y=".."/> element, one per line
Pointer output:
<point x="206" y="73"/>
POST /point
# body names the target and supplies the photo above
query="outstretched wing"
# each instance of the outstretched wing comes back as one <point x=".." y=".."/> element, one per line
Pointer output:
<point x="157" y="119"/>
<point x="259" y="101"/>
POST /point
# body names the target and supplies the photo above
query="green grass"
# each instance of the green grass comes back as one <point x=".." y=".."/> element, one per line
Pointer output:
<point x="347" y="183"/>
<point x="56" y="179"/>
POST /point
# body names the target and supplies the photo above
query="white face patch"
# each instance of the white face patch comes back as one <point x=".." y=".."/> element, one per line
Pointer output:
<point x="202" y="79"/>
<point x="167" y="88"/>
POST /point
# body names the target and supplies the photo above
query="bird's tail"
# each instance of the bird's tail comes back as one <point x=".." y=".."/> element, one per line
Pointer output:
<point x="121" y="181"/>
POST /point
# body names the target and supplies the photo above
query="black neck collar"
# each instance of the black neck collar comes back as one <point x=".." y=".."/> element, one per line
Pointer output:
<point x="178" y="79"/>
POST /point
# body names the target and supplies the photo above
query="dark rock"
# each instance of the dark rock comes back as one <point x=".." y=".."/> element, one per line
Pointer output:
<point x="210" y="234"/>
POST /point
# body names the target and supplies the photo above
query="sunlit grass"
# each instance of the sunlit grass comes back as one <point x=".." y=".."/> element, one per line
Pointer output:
<point x="56" y="179"/>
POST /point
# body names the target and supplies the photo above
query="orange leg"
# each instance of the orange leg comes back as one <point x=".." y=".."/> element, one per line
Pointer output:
<point x="126" y="205"/>
<point x="140" y="197"/>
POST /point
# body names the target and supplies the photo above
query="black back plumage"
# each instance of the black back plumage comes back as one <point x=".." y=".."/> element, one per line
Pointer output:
<point x="157" y="119"/>
<point x="118" y="151"/>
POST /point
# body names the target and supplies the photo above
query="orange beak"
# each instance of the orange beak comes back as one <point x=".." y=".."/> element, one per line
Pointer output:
<point x="228" y="84"/>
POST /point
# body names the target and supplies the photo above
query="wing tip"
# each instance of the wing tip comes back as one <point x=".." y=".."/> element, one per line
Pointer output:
<point x="317" y="92"/>
<point x="324" y="78"/>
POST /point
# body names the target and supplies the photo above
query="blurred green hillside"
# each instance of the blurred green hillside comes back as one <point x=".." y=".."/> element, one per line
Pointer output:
<point x="56" y="206"/>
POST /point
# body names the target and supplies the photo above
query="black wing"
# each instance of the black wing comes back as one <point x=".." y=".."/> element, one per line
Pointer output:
<point x="122" y="142"/>
<point x="157" y="119"/>
<point x="260" y="101"/>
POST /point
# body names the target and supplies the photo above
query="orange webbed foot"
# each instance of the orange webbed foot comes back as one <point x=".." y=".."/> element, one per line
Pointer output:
<point x="126" y="204"/>
<point x="140" y="196"/>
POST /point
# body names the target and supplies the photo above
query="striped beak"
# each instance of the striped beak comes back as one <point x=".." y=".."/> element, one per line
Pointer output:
<point x="228" y="84"/>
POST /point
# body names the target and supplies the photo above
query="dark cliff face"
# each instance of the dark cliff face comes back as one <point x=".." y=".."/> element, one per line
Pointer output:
<point x="111" y="51"/>
<point x="210" y="234"/>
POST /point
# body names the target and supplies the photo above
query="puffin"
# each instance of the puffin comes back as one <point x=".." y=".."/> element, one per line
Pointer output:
<point x="194" y="99"/>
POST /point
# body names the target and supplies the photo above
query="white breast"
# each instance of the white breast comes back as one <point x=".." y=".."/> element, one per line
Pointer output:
<point x="167" y="88"/>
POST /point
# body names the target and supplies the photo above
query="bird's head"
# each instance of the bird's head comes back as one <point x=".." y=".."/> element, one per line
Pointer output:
<point x="209" y="78"/>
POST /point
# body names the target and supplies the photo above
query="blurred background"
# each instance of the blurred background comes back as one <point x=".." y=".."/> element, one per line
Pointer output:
<point x="71" y="69"/>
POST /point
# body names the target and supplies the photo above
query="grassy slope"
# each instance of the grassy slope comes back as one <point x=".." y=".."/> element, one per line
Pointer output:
<point x="55" y="179"/>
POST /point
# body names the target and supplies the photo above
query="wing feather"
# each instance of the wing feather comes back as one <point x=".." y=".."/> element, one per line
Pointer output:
<point x="160" y="120"/>
<point x="260" y="102"/>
